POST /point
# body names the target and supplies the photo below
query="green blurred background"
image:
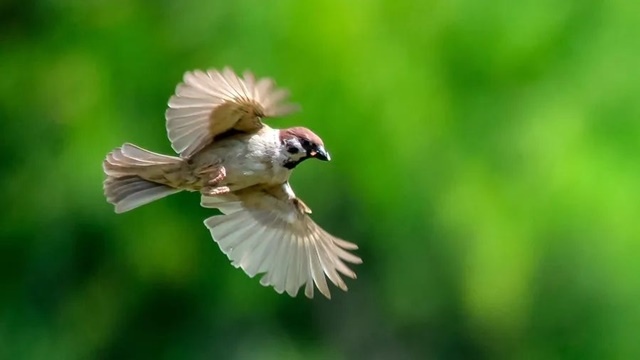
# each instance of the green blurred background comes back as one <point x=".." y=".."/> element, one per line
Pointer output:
<point x="486" y="160"/>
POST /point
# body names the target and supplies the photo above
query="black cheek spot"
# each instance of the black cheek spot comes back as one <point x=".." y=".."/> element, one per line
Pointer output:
<point x="293" y="150"/>
<point x="290" y="164"/>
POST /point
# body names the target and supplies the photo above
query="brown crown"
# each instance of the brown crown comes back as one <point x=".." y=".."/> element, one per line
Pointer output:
<point x="300" y="133"/>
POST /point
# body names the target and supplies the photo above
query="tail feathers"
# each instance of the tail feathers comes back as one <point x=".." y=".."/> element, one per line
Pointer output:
<point x="130" y="192"/>
<point x="127" y="169"/>
<point x="129" y="158"/>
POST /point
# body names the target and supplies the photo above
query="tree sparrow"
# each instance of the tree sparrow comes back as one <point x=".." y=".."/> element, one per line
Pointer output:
<point x="241" y="167"/>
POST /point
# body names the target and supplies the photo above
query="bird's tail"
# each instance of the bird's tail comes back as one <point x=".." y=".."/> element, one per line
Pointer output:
<point x="130" y="170"/>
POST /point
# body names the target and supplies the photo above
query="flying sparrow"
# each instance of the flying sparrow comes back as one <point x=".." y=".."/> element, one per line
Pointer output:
<point x="241" y="167"/>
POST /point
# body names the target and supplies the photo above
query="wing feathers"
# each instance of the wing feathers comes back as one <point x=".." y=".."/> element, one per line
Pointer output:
<point x="263" y="235"/>
<point x="207" y="104"/>
<point x="316" y="270"/>
<point x="251" y="264"/>
<point x="326" y="261"/>
<point x="275" y="276"/>
<point x="308" y="290"/>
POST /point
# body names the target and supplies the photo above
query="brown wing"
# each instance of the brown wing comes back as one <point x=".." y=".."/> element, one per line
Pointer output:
<point x="268" y="230"/>
<point x="207" y="104"/>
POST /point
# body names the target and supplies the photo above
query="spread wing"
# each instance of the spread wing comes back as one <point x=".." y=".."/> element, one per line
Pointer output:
<point x="268" y="230"/>
<point x="207" y="104"/>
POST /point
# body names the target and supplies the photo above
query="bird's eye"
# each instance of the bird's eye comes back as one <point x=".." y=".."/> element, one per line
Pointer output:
<point x="293" y="150"/>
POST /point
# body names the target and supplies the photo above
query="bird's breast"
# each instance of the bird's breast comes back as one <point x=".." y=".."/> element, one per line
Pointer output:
<point x="248" y="161"/>
<point x="253" y="170"/>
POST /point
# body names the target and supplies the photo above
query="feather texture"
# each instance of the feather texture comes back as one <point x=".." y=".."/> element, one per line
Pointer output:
<point x="124" y="186"/>
<point x="207" y="104"/>
<point x="129" y="192"/>
<point x="267" y="232"/>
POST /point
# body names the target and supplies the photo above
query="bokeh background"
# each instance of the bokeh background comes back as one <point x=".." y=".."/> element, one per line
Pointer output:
<point x="486" y="158"/>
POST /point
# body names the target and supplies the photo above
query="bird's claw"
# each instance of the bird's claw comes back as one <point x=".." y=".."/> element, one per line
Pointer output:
<point x="220" y="174"/>
<point x="216" y="174"/>
<point x="213" y="191"/>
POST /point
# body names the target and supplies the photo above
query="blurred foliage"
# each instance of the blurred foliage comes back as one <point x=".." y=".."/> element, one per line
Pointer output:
<point x="486" y="160"/>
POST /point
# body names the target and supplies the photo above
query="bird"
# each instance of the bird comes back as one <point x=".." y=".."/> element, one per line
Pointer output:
<point x="215" y="122"/>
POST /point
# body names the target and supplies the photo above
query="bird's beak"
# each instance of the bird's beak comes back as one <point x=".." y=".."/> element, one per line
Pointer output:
<point x="320" y="153"/>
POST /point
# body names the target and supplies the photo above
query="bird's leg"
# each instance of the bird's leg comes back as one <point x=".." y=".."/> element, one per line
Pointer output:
<point x="210" y="191"/>
<point x="216" y="174"/>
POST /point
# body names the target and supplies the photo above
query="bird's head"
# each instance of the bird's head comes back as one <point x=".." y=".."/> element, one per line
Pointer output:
<point x="299" y="144"/>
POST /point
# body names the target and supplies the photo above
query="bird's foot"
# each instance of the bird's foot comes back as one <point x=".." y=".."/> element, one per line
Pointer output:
<point x="216" y="175"/>
<point x="213" y="191"/>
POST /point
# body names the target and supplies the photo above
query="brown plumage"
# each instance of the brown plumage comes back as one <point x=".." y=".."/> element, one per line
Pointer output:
<point x="301" y="133"/>
<point x="241" y="166"/>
